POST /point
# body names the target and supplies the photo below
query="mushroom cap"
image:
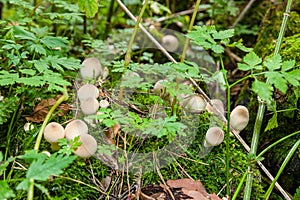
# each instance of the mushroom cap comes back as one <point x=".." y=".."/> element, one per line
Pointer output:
<point x="75" y="128"/>
<point x="214" y="136"/>
<point x="158" y="87"/>
<point x="54" y="131"/>
<point x="195" y="103"/>
<point x="170" y="42"/>
<point x="89" y="106"/>
<point x="104" y="103"/>
<point x="87" y="91"/>
<point x="88" y="146"/>
<point x="218" y="104"/>
<point x="91" y="68"/>
<point x="239" y="118"/>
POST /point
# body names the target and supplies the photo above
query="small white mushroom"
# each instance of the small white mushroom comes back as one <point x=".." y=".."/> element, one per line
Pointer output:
<point x="195" y="103"/>
<point x="54" y="131"/>
<point x="170" y="42"/>
<point x="75" y="128"/>
<point x="91" y="68"/>
<point x="87" y="91"/>
<point x="158" y="88"/>
<point x="239" y="118"/>
<point x="214" y="136"/>
<point x="88" y="146"/>
<point x="218" y="104"/>
<point x="104" y="103"/>
<point x="28" y="127"/>
<point x="89" y="106"/>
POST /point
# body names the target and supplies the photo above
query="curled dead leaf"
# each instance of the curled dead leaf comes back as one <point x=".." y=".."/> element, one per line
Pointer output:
<point x="42" y="108"/>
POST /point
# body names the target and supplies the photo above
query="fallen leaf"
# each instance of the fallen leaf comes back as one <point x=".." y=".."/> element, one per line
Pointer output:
<point x="42" y="109"/>
<point x="194" y="194"/>
<point x="188" y="184"/>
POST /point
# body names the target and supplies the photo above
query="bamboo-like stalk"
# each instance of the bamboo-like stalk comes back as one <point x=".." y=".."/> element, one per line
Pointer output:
<point x="262" y="107"/>
<point x="187" y="40"/>
<point x="285" y="162"/>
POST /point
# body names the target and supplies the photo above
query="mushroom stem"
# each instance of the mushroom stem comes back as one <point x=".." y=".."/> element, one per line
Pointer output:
<point x="64" y="97"/>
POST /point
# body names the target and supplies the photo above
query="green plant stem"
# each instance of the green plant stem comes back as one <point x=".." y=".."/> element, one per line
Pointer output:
<point x="108" y="19"/>
<point x="129" y="50"/>
<point x="285" y="162"/>
<point x="64" y="97"/>
<point x="275" y="143"/>
<point x="283" y="26"/>
<point x="238" y="189"/>
<point x="187" y="40"/>
<point x="227" y="137"/>
<point x="254" y="145"/>
<point x="10" y="128"/>
<point x="261" y="107"/>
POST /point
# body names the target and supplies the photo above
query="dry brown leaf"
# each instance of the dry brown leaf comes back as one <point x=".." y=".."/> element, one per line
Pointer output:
<point x="194" y="194"/>
<point x="42" y="109"/>
<point x="188" y="184"/>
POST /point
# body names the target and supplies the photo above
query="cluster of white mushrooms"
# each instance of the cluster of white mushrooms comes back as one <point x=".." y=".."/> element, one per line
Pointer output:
<point x="88" y="95"/>
<point x="195" y="103"/>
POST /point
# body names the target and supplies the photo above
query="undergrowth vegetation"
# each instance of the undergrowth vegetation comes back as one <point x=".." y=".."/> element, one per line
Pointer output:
<point x="154" y="98"/>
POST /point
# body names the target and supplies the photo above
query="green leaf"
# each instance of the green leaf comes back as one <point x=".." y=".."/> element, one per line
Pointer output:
<point x="28" y="71"/>
<point x="21" y="33"/>
<point x="276" y="79"/>
<point x="7" y="78"/>
<point x="239" y="45"/>
<point x="263" y="90"/>
<point x="287" y="65"/>
<point x="252" y="62"/>
<point x="54" y="42"/>
<point x="223" y="34"/>
<point x="6" y="192"/>
<point x="273" y="63"/>
<point x="24" y="185"/>
<point x="90" y="7"/>
<point x="272" y="123"/>
<point x="41" y="168"/>
<point x="37" y="48"/>
<point x="33" y="81"/>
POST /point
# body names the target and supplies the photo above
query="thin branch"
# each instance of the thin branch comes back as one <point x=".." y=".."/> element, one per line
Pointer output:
<point x="248" y="6"/>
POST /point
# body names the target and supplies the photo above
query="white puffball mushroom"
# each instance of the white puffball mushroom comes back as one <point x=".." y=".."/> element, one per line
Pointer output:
<point x="239" y="118"/>
<point x="89" y="106"/>
<point x="214" y="136"/>
<point x="87" y="91"/>
<point x="218" y="104"/>
<point x="54" y="131"/>
<point x="28" y="127"/>
<point x="88" y="146"/>
<point x="91" y="68"/>
<point x="196" y="103"/>
<point x="104" y="103"/>
<point x="170" y="42"/>
<point x="75" y="128"/>
<point x="159" y="88"/>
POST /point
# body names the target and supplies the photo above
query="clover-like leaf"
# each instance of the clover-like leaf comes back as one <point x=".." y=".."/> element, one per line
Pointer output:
<point x="273" y="63"/>
<point x="262" y="89"/>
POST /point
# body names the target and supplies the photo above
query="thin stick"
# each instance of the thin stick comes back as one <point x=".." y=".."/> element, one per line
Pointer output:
<point x="242" y="13"/>
<point x="159" y="46"/>
<point x="161" y="177"/>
